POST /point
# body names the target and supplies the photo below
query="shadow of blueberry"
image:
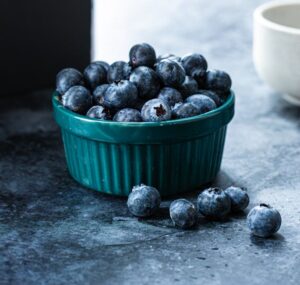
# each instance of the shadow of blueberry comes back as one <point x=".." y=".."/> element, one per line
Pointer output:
<point x="276" y="241"/>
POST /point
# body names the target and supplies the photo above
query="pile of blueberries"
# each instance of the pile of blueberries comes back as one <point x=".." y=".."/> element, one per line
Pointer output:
<point x="213" y="203"/>
<point x="146" y="89"/>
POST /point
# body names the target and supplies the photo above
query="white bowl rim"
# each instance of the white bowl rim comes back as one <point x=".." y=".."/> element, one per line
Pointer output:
<point x="259" y="17"/>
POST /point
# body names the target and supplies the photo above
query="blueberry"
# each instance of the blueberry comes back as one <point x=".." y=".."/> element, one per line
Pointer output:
<point x="99" y="112"/>
<point x="67" y="78"/>
<point x="183" y="213"/>
<point x="102" y="63"/>
<point x="94" y="75"/>
<point x="147" y="82"/>
<point x="239" y="198"/>
<point x="263" y="220"/>
<point x="218" y="81"/>
<point x="185" y="110"/>
<point x="142" y="55"/>
<point x="128" y="115"/>
<point x="214" y="203"/>
<point x="143" y="201"/>
<point x="156" y="110"/>
<point x="168" y="56"/>
<point x="170" y="95"/>
<point x="78" y="99"/>
<point x="99" y="92"/>
<point x="212" y="95"/>
<point x="203" y="102"/>
<point x="171" y="73"/>
<point x="188" y="87"/>
<point x="120" y="95"/>
<point x="195" y="65"/>
<point x="119" y="70"/>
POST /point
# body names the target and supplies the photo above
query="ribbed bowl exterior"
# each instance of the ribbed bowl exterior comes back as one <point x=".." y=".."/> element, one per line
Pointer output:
<point x="114" y="167"/>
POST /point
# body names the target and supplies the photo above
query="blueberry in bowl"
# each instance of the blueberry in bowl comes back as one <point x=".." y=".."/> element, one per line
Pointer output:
<point x="130" y="130"/>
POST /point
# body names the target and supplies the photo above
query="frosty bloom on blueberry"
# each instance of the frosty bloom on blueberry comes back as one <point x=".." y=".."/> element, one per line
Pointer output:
<point x="150" y="88"/>
<point x="183" y="213"/>
<point x="263" y="220"/>
<point x="98" y="112"/>
<point x="143" y="201"/>
<point x="77" y="99"/>
<point x="214" y="203"/>
<point x="239" y="198"/>
<point x="67" y="78"/>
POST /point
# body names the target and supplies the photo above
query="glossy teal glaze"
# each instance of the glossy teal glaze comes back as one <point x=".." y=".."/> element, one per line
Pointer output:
<point x="174" y="156"/>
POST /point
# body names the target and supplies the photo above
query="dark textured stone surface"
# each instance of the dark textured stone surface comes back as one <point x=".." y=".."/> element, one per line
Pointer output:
<point x="52" y="231"/>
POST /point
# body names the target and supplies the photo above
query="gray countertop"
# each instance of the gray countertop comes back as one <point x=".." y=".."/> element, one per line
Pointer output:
<point x="53" y="231"/>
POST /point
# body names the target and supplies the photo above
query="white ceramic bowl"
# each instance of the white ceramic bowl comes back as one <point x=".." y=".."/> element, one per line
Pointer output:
<point x="276" y="47"/>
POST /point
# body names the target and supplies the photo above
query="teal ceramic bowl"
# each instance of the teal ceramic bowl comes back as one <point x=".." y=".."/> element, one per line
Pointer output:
<point x="173" y="156"/>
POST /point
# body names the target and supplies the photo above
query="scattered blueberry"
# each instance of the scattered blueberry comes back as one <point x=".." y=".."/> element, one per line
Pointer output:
<point x="203" y="102"/>
<point x="94" y="75"/>
<point x="147" y="82"/>
<point x="171" y="73"/>
<point x="142" y="55"/>
<point x="183" y="213"/>
<point x="67" y="78"/>
<point x="77" y="99"/>
<point x="214" y="203"/>
<point x="119" y="70"/>
<point x="195" y="65"/>
<point x="263" y="220"/>
<point x="156" y="110"/>
<point x="218" y="80"/>
<point x="168" y="56"/>
<point x="143" y="201"/>
<point x="212" y="95"/>
<point x="128" y="115"/>
<point x="188" y="87"/>
<point x="170" y="96"/>
<point x="185" y="110"/>
<point x="99" y="92"/>
<point x="239" y="198"/>
<point x="120" y="95"/>
<point x="99" y="112"/>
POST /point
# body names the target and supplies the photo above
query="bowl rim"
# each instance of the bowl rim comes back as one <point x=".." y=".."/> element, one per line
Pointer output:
<point x="229" y="101"/>
<point x="260" y="18"/>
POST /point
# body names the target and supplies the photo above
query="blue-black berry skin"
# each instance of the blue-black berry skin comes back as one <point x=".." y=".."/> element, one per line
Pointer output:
<point x="239" y="198"/>
<point x="170" y="95"/>
<point x="213" y="203"/>
<point x="218" y="81"/>
<point x="203" y="102"/>
<point x="120" y="95"/>
<point x="263" y="221"/>
<point x="77" y="99"/>
<point x="98" y="112"/>
<point x="171" y="73"/>
<point x="143" y="201"/>
<point x="102" y="63"/>
<point x="95" y="75"/>
<point x="156" y="110"/>
<point x="168" y="56"/>
<point x="188" y="87"/>
<point x="183" y="213"/>
<point x="128" y="115"/>
<point x="212" y="95"/>
<point x="98" y="93"/>
<point x="195" y="65"/>
<point x="119" y="70"/>
<point x="142" y="55"/>
<point x="67" y="78"/>
<point x="185" y="110"/>
<point x="147" y="82"/>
